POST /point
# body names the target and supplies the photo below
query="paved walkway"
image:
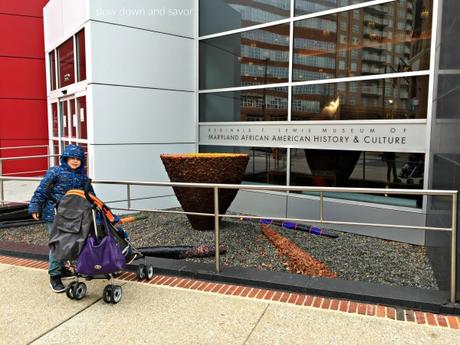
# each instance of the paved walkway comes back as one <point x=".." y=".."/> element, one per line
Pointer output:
<point x="170" y="310"/>
<point x="19" y="191"/>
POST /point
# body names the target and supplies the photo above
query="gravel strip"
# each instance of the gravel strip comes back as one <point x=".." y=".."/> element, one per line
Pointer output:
<point x="352" y="257"/>
<point x="369" y="259"/>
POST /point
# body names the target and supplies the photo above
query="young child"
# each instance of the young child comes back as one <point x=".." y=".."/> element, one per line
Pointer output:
<point x="58" y="180"/>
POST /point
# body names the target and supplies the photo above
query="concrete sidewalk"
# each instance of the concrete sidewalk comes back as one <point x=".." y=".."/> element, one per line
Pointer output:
<point x="19" y="191"/>
<point x="157" y="314"/>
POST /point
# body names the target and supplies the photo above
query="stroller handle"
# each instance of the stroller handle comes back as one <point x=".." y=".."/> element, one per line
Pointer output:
<point x="86" y="190"/>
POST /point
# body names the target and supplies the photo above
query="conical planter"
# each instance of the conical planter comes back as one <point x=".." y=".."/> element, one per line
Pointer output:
<point x="204" y="168"/>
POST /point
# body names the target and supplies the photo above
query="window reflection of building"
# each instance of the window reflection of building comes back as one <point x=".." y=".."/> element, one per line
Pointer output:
<point x="263" y="58"/>
<point x="264" y="105"/>
<point x="247" y="105"/>
<point x="265" y="55"/>
<point x="361" y="100"/>
<point x="380" y="39"/>
<point x="371" y="170"/>
<point x="312" y="6"/>
<point x="266" y="164"/>
<point x="269" y="60"/>
<point x="253" y="57"/>
<point x="385" y="43"/>
<point x="244" y="13"/>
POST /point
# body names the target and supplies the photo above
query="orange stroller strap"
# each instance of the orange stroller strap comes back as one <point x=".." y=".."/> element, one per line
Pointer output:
<point x="100" y="205"/>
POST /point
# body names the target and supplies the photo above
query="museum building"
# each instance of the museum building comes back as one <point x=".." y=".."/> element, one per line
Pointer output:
<point x="337" y="93"/>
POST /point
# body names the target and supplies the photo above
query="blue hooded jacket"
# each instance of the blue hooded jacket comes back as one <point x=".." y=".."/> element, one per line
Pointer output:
<point x="57" y="181"/>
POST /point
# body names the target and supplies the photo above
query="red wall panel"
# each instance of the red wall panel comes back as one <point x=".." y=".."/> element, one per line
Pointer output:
<point x="21" y="36"/>
<point x="23" y="7"/>
<point x="22" y="78"/>
<point x="23" y="123"/>
<point x="23" y="118"/>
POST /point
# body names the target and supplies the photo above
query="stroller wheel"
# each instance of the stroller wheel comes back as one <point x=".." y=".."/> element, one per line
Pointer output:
<point x="149" y="272"/>
<point x="70" y="291"/>
<point x="140" y="272"/>
<point x="117" y="292"/>
<point x="79" y="291"/>
<point x="107" y="294"/>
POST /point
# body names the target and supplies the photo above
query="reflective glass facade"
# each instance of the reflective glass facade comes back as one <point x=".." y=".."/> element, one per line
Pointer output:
<point x="66" y="63"/>
<point x="81" y="52"/>
<point x="52" y="62"/>
<point x="268" y="104"/>
<point x="359" y="169"/>
<point x="357" y="62"/>
<point x="372" y="40"/>
<point x="311" y="6"/>
<point x="219" y="16"/>
<point x="266" y="164"/>
<point x="384" y="99"/>
<point x="253" y="57"/>
<point x="71" y="62"/>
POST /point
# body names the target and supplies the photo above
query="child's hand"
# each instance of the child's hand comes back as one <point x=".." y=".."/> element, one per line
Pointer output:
<point x="36" y="216"/>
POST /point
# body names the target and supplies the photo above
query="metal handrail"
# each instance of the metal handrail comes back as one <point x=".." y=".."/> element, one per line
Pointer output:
<point x="216" y="186"/>
<point x="2" y="191"/>
<point x="25" y="172"/>
<point x="26" y="157"/>
<point x="23" y="147"/>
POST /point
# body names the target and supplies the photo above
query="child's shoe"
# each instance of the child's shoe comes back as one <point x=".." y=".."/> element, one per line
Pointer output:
<point x="56" y="284"/>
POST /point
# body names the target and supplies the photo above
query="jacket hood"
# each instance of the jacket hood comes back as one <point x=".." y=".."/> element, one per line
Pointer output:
<point x="73" y="151"/>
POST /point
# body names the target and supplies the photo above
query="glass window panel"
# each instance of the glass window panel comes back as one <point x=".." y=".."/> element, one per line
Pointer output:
<point x="269" y="104"/>
<point x="448" y="34"/>
<point x="56" y="151"/>
<point x="52" y="70"/>
<point x="225" y="15"/>
<point x="266" y="164"/>
<point x="447" y="105"/>
<point x="360" y="169"/>
<point x="66" y="63"/>
<point x="85" y="150"/>
<point x="64" y="119"/>
<point x="54" y="114"/>
<point x="82" y="117"/>
<point x="63" y="144"/>
<point x="73" y="119"/>
<point x="382" y="46"/>
<point x="81" y="55"/>
<point x="312" y="6"/>
<point x="249" y="58"/>
<point x="396" y="98"/>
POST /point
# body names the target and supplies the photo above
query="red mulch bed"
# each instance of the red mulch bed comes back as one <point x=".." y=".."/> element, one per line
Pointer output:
<point x="298" y="261"/>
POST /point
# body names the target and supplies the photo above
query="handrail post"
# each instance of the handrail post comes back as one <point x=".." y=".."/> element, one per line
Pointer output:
<point x="2" y="196"/>
<point x="321" y="207"/>
<point x="216" y="227"/>
<point x="453" y="254"/>
<point x="128" y="187"/>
